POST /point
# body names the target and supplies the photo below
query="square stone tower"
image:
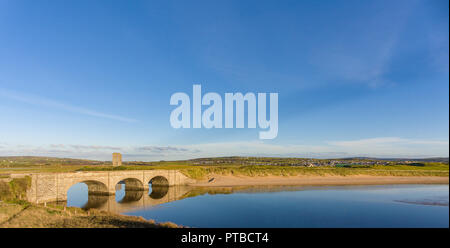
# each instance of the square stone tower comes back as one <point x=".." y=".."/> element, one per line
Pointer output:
<point x="116" y="159"/>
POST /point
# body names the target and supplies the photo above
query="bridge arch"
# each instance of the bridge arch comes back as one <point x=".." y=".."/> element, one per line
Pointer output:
<point x="159" y="187"/>
<point x="96" y="194"/>
<point x="159" y="181"/>
<point x="129" y="190"/>
<point x="131" y="183"/>
<point x="94" y="187"/>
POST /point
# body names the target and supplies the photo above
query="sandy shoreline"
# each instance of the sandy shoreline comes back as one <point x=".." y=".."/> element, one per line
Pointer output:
<point x="221" y="180"/>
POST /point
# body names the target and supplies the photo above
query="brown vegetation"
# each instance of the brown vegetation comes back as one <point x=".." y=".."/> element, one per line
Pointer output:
<point x="30" y="215"/>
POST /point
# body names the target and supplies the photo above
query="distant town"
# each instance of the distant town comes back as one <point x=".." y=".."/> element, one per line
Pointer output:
<point x="341" y="162"/>
<point x="25" y="161"/>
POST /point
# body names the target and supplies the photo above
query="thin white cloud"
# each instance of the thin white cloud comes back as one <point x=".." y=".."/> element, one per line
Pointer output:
<point x="36" y="100"/>
<point x="98" y="152"/>
<point x="361" y="53"/>
<point x="386" y="141"/>
<point x="393" y="147"/>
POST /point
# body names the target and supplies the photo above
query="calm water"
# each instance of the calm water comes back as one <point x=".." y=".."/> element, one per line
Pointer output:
<point x="319" y="206"/>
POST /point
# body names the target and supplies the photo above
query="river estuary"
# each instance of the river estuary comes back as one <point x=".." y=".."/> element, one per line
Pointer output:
<point x="280" y="206"/>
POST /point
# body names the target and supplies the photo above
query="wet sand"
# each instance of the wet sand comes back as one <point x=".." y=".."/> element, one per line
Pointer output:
<point x="221" y="180"/>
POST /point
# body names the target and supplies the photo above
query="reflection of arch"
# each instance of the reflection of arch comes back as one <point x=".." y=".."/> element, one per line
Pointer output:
<point x="95" y="201"/>
<point x="158" y="192"/>
<point x="159" y="181"/>
<point x="131" y="196"/>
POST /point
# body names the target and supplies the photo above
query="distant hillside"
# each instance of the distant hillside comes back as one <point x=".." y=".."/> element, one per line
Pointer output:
<point x="436" y="159"/>
<point x="25" y="161"/>
<point x="35" y="160"/>
<point x="441" y="160"/>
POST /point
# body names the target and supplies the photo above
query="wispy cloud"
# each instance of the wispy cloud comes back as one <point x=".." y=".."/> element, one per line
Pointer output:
<point x="45" y="102"/>
<point x="386" y="141"/>
<point x="99" y="152"/>
<point x="163" y="149"/>
<point x="362" y="53"/>
<point x="392" y="147"/>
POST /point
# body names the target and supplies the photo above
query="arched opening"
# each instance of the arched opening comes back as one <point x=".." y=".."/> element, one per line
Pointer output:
<point x="159" y="181"/>
<point x="158" y="187"/>
<point x="87" y="194"/>
<point x="129" y="190"/>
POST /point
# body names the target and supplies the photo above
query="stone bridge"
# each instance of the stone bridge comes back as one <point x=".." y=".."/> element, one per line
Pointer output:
<point x="54" y="186"/>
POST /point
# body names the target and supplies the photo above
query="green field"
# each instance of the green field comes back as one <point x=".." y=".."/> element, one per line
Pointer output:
<point x="248" y="166"/>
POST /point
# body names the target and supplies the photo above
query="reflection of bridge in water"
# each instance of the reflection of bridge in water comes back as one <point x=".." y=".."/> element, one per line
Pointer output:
<point x="137" y="199"/>
<point x="141" y="199"/>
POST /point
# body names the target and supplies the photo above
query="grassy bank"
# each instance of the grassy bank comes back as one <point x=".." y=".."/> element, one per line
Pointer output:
<point x="260" y="171"/>
<point x="52" y="216"/>
<point x="14" y="190"/>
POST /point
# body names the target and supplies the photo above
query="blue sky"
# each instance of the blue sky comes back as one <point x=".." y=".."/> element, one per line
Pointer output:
<point x="354" y="78"/>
